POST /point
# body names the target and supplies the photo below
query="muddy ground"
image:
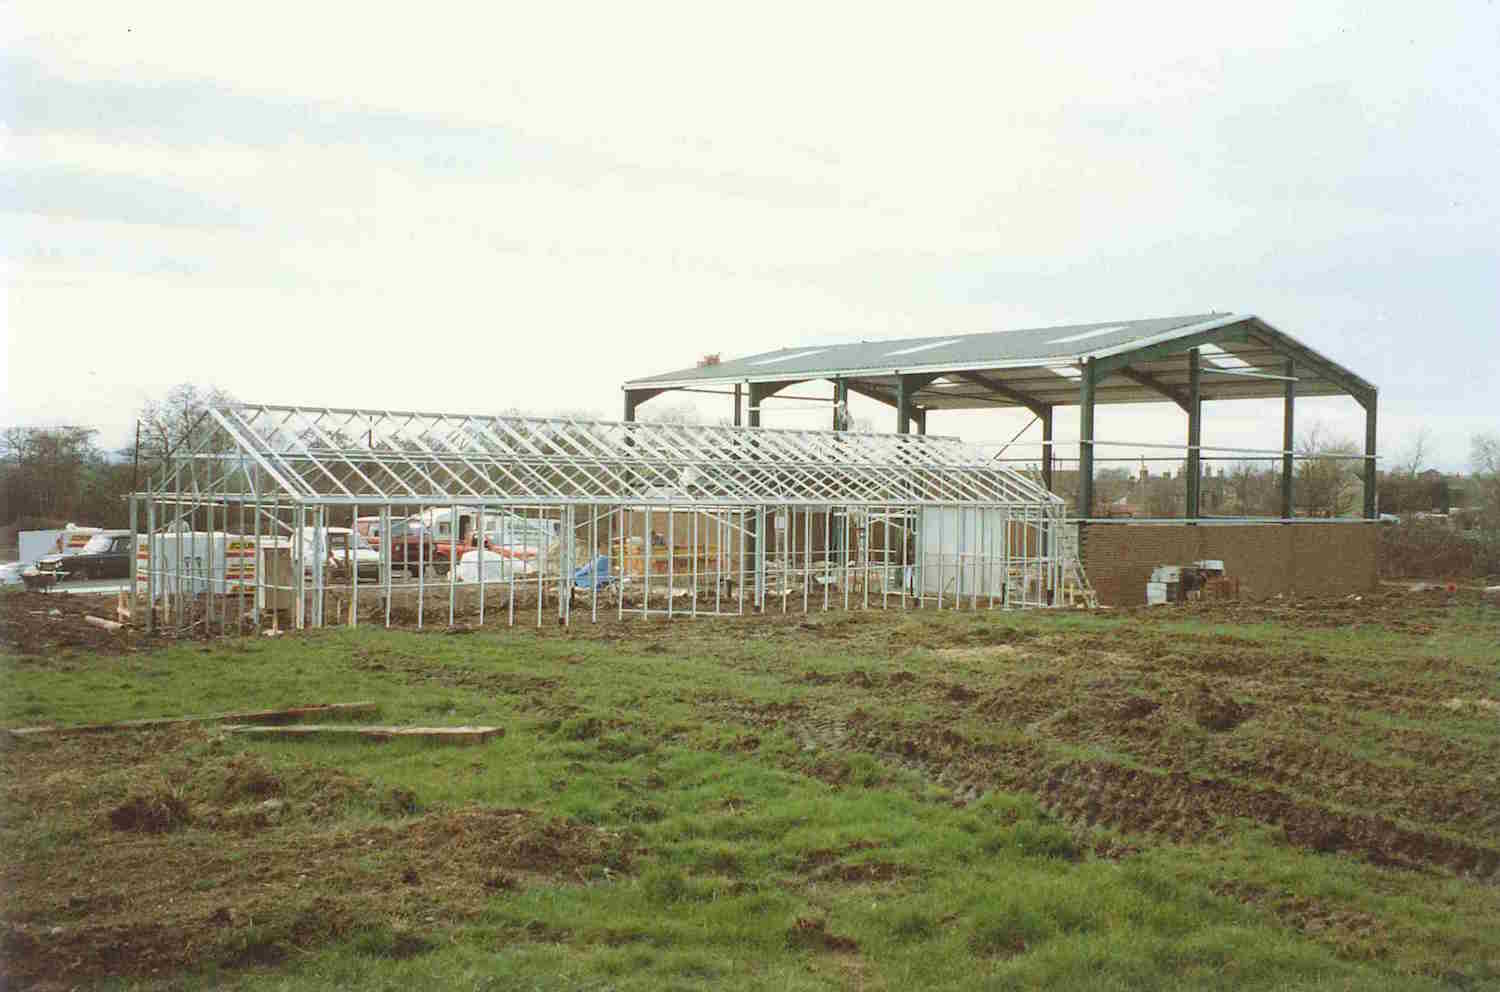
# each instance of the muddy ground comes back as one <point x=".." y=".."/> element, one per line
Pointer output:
<point x="1260" y="714"/>
<point x="1144" y="729"/>
<point x="273" y="865"/>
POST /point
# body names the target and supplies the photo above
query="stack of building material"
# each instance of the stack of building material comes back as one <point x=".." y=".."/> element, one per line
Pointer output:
<point x="1183" y="583"/>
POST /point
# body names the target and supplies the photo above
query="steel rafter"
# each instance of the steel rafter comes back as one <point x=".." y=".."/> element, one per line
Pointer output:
<point x="322" y="455"/>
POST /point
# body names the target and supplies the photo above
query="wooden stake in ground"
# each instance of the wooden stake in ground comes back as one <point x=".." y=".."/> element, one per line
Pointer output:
<point x="446" y="735"/>
<point x="252" y="716"/>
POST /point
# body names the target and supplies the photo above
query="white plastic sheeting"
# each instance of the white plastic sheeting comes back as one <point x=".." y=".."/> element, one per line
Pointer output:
<point x="499" y="565"/>
<point x="979" y="555"/>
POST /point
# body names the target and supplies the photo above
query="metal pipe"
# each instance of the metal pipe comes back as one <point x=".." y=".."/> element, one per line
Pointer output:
<point x="906" y="537"/>
<point x="240" y="620"/>
<point x="806" y="557"/>
<point x="454" y="553"/>
<point x="151" y="562"/>
<point x="387" y="555"/>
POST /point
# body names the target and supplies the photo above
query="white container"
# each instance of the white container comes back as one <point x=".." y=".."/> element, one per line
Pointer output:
<point x="1156" y="593"/>
<point x="217" y="562"/>
<point x="499" y="565"/>
<point x="1166" y="573"/>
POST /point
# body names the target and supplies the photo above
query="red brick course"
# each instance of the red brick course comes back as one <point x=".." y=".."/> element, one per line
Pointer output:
<point x="1306" y="559"/>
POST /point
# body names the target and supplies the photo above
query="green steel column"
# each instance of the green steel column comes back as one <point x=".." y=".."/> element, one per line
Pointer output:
<point x="1046" y="416"/>
<point x="903" y="405"/>
<point x="1195" y="437"/>
<point x="921" y="416"/>
<point x="631" y="402"/>
<point x="1086" y="441"/>
<point x="737" y="404"/>
<point x="1288" y="438"/>
<point x="757" y="394"/>
<point x="1369" y="404"/>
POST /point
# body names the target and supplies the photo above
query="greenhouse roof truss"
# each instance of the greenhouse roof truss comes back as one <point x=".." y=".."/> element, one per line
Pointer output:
<point x="340" y="456"/>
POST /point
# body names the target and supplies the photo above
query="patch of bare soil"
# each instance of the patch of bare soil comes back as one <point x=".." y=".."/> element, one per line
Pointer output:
<point x="1396" y="610"/>
<point x="227" y="860"/>
<point x="833" y="865"/>
<point x="1353" y="934"/>
<point x="46" y="625"/>
<point x="1174" y="804"/>
<point x="156" y="813"/>
<point x="1217" y="712"/>
<point x="813" y="934"/>
<point x="416" y="670"/>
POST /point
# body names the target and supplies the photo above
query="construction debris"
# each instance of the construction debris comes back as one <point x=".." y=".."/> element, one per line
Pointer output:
<point x="102" y="623"/>
<point x="251" y="717"/>
<point x="448" y="735"/>
<point x="1184" y="583"/>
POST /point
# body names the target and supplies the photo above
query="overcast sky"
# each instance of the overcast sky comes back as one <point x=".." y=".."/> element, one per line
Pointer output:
<point x="523" y="205"/>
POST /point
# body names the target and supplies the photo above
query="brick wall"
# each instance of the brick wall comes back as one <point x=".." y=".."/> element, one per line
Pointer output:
<point x="1307" y="559"/>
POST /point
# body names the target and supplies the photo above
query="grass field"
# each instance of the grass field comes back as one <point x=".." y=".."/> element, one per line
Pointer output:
<point x="1296" y="796"/>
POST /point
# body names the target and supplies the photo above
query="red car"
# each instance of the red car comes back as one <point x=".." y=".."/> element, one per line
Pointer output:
<point x="412" y="545"/>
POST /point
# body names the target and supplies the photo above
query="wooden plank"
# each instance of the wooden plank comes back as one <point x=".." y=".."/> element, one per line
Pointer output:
<point x="253" y="716"/>
<point x="447" y="735"/>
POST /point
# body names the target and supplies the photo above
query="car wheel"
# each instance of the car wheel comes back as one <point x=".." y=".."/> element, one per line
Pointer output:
<point x="441" y="570"/>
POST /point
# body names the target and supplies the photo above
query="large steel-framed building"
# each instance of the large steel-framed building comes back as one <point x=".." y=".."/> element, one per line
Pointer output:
<point x="1185" y="361"/>
<point x="263" y="515"/>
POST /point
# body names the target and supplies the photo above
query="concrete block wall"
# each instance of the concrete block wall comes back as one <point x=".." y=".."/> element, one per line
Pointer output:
<point x="1305" y="559"/>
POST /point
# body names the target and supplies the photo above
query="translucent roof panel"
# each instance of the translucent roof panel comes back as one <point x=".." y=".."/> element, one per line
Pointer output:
<point x="315" y="455"/>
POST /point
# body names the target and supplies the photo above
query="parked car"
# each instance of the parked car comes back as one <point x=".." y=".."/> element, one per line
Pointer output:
<point x="414" y="543"/>
<point x="106" y="555"/>
<point x="369" y="529"/>
<point x="343" y="547"/>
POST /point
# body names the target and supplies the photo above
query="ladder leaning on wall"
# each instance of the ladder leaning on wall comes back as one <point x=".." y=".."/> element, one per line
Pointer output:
<point x="1076" y="590"/>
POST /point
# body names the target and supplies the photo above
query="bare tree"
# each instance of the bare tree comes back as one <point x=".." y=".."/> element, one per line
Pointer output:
<point x="1242" y="478"/>
<point x="1414" y="455"/>
<point x="180" y="416"/>
<point x="1484" y="459"/>
<point x="1324" y="475"/>
<point x="671" y="413"/>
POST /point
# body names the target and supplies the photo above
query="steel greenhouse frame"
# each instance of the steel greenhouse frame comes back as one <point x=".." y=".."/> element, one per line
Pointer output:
<point x="644" y="519"/>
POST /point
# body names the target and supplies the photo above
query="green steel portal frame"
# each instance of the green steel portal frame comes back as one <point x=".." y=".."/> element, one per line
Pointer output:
<point x="1183" y="360"/>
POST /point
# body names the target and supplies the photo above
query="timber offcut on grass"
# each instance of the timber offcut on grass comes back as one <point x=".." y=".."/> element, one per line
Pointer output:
<point x="289" y="715"/>
<point x="448" y="735"/>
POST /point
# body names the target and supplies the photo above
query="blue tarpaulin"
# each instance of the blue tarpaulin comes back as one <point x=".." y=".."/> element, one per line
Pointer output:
<point x="594" y="575"/>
